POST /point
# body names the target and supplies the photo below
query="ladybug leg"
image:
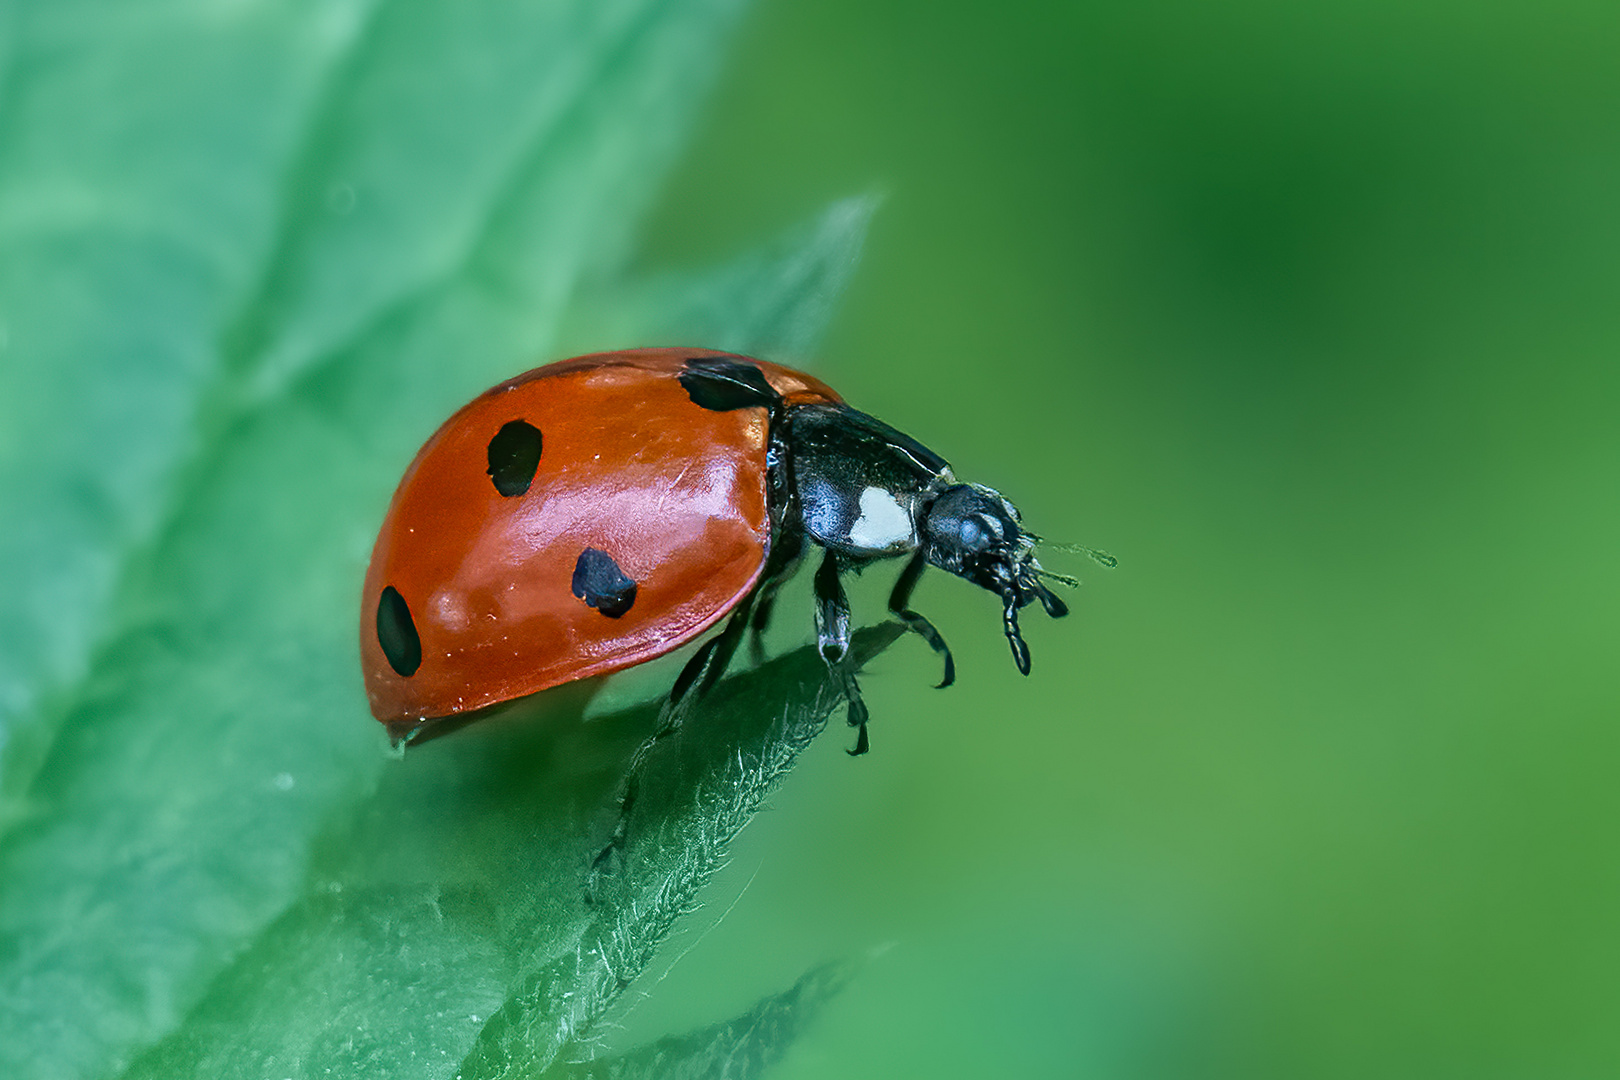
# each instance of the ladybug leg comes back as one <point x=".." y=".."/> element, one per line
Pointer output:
<point x="696" y="679"/>
<point x="1009" y="624"/>
<point x="832" y="611"/>
<point x="832" y="637"/>
<point x="725" y="647"/>
<point x="783" y="562"/>
<point x="898" y="601"/>
<point x="710" y="662"/>
<point x="762" y="619"/>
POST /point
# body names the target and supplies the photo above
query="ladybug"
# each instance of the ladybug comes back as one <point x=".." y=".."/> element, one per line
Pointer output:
<point x="596" y="513"/>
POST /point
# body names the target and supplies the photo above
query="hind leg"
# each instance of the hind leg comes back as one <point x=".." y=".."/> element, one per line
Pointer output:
<point x="783" y="563"/>
<point x="696" y="679"/>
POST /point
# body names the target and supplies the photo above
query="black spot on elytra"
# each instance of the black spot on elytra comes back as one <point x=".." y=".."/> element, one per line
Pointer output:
<point x="600" y="583"/>
<point x="396" y="633"/>
<point x="514" y="454"/>
<point x="722" y="385"/>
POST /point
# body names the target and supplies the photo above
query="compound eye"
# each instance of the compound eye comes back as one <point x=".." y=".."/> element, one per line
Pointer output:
<point x="978" y="532"/>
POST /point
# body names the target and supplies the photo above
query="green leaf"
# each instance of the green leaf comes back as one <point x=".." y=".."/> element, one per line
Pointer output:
<point x="230" y="309"/>
<point x="448" y="927"/>
<point x="769" y="303"/>
<point x="141" y="158"/>
<point x="697" y="796"/>
<point x="738" y="1049"/>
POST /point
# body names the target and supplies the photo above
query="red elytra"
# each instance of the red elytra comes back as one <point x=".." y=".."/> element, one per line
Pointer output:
<point x="599" y="512"/>
<point x="629" y="466"/>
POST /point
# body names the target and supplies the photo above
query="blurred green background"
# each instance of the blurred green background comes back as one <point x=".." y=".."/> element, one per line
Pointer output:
<point x="1309" y="314"/>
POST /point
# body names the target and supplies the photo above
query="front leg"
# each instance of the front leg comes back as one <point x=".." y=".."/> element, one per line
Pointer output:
<point x="832" y="637"/>
<point x="900" y="606"/>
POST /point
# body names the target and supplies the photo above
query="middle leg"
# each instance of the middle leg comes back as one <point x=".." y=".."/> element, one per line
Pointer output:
<point x="832" y="638"/>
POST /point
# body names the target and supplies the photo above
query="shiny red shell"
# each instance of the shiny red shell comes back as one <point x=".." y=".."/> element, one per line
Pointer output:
<point x="630" y="465"/>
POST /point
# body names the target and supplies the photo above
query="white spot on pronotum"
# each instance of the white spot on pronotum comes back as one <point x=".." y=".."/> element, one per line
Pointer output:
<point x="883" y="523"/>
<point x="283" y="781"/>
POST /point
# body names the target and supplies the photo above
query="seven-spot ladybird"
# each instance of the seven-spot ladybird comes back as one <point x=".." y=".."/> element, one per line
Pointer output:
<point x="596" y="513"/>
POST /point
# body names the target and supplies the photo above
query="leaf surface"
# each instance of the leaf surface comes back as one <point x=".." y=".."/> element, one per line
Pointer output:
<point x="230" y="308"/>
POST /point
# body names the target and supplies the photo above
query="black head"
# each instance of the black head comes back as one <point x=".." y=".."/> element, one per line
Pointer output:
<point x="971" y="531"/>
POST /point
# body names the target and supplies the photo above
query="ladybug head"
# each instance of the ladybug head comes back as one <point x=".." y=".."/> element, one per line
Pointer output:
<point x="971" y="531"/>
